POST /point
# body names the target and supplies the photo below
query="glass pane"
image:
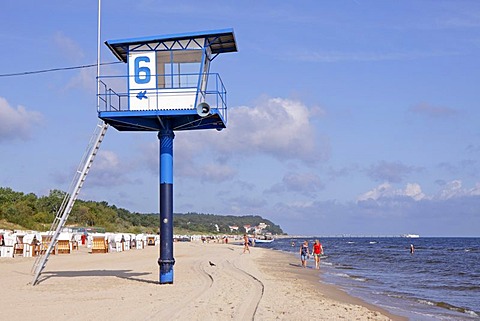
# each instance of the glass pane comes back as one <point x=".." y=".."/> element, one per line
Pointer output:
<point x="187" y="65"/>
<point x="189" y="74"/>
<point x="179" y="69"/>
<point x="163" y="69"/>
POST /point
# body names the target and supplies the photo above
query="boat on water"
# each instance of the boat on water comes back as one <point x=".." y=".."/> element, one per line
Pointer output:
<point x="264" y="240"/>
<point x="411" y="236"/>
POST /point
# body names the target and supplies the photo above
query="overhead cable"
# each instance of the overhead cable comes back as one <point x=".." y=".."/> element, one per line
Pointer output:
<point x="56" y="69"/>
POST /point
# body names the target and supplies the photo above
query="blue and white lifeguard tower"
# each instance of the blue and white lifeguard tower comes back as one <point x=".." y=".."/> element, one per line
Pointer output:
<point x="168" y="88"/>
<point x="169" y="85"/>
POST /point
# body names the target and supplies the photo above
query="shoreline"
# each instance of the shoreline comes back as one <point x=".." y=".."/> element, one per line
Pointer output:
<point x="310" y="277"/>
<point x="262" y="285"/>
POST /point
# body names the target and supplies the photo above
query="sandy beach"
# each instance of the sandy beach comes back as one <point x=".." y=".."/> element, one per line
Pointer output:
<point x="262" y="285"/>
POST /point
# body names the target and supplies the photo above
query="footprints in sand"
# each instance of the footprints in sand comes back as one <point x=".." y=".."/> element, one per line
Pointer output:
<point x="224" y="290"/>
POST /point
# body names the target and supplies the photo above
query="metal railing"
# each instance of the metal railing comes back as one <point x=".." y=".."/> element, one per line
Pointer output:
<point x="214" y="94"/>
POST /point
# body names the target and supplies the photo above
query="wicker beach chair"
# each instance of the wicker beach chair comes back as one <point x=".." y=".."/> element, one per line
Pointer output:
<point x="46" y="239"/>
<point x="99" y="245"/>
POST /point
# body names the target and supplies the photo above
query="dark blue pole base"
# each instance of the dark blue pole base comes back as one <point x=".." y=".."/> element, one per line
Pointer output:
<point x="166" y="271"/>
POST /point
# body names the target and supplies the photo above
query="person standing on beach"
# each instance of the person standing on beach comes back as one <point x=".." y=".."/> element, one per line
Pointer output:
<point x="317" y="250"/>
<point x="245" y="243"/>
<point x="304" y="253"/>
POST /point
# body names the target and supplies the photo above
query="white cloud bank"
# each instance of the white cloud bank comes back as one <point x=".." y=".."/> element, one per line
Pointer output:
<point x="278" y="128"/>
<point x="453" y="189"/>
<point x="386" y="190"/>
<point x="281" y="128"/>
<point x="386" y="210"/>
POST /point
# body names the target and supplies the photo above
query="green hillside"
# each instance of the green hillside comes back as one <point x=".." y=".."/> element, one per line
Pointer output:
<point x="27" y="211"/>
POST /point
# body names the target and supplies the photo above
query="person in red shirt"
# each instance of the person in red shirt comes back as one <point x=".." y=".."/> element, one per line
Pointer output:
<point x="317" y="250"/>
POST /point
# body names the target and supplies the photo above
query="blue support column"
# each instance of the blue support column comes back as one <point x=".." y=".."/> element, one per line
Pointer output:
<point x="166" y="260"/>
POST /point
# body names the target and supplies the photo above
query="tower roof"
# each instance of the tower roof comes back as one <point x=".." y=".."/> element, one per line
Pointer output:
<point x="219" y="41"/>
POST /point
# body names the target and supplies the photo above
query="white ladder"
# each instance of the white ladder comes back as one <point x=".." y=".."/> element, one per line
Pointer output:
<point x="70" y="198"/>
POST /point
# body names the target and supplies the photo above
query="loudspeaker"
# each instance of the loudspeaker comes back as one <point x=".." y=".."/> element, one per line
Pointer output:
<point x="203" y="109"/>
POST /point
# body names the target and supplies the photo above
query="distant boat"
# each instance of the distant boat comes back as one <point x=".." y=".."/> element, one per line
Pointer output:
<point x="411" y="236"/>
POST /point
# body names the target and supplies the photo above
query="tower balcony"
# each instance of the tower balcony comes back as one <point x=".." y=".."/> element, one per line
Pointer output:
<point x="172" y="101"/>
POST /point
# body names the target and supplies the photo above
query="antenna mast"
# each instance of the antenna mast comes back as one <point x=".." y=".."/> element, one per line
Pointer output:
<point x="98" y="53"/>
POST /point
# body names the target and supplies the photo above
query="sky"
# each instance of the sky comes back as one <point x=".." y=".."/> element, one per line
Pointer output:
<point x="344" y="117"/>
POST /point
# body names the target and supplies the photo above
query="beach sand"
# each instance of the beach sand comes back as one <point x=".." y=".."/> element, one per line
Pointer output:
<point x="262" y="285"/>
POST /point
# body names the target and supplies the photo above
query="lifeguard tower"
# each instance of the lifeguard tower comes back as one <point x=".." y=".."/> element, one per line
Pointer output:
<point x="168" y="88"/>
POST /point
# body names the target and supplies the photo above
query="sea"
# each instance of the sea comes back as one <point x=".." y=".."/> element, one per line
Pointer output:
<point x="439" y="281"/>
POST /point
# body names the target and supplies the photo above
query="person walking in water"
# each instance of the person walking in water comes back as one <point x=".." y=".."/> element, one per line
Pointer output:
<point x="412" y="249"/>
<point x="304" y="253"/>
<point x="317" y="250"/>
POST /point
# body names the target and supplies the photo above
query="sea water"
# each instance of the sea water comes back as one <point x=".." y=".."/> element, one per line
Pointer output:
<point x="439" y="281"/>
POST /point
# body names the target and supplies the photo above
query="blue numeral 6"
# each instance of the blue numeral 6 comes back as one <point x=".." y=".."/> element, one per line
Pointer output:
<point x="146" y="76"/>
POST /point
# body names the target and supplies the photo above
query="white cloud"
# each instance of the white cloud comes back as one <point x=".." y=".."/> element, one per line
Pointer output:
<point x="278" y="127"/>
<point x="414" y="191"/>
<point x="275" y="127"/>
<point x="451" y="190"/>
<point x="386" y="210"/>
<point x="429" y="217"/>
<point x="16" y="123"/>
<point x="455" y="189"/>
<point x="475" y="191"/>
<point x="376" y="193"/>
<point x="386" y="190"/>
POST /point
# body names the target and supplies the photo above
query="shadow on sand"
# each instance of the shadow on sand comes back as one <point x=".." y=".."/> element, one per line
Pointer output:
<point x="122" y="274"/>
